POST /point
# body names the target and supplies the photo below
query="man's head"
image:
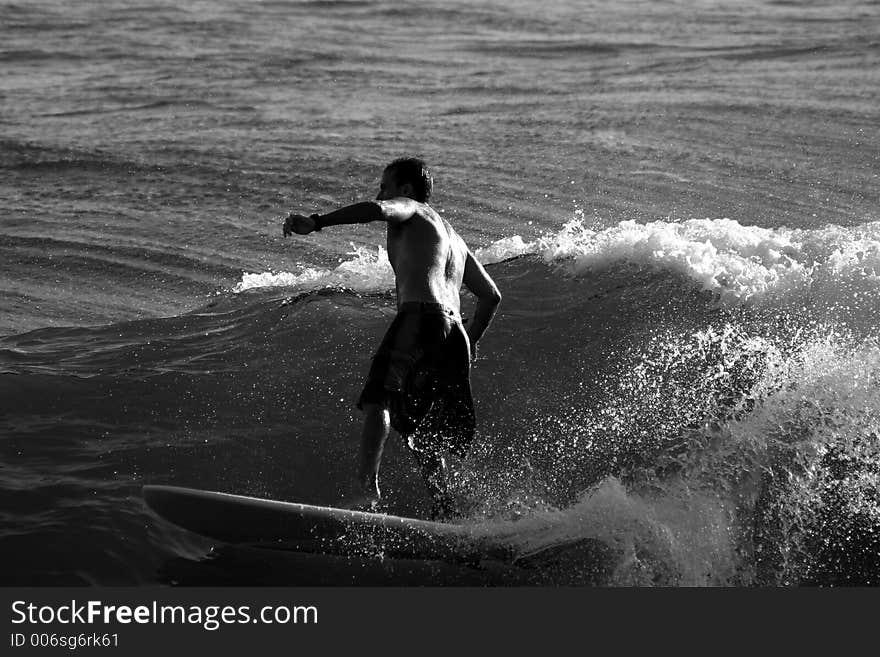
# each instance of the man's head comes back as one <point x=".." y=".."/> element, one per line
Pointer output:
<point x="409" y="177"/>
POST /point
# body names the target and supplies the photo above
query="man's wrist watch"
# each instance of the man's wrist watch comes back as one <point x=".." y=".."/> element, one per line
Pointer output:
<point x="317" y="219"/>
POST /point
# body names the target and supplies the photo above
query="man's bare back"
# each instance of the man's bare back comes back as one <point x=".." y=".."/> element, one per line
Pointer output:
<point x="428" y="259"/>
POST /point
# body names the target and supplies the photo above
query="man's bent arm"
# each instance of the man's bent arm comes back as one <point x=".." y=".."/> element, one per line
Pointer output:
<point x="488" y="297"/>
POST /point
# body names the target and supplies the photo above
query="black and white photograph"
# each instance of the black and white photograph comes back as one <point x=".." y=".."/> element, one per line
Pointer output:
<point x="444" y="293"/>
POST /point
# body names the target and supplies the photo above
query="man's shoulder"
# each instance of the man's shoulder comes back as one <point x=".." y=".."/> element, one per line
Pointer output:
<point x="425" y="211"/>
<point x="427" y="217"/>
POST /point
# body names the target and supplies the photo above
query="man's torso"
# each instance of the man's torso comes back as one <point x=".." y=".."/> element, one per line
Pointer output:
<point x="428" y="258"/>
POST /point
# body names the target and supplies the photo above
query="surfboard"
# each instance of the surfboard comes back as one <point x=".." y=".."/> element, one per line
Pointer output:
<point x="253" y="521"/>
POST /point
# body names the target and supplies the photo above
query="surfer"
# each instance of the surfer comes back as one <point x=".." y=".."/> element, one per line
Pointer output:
<point x="419" y="380"/>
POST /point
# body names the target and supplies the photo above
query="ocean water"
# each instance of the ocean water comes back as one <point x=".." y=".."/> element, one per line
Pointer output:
<point x="678" y="199"/>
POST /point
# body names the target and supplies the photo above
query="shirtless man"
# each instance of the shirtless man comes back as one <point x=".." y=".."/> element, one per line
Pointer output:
<point x="419" y="381"/>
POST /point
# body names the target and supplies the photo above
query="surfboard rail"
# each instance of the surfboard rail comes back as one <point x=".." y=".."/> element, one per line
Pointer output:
<point x="244" y="520"/>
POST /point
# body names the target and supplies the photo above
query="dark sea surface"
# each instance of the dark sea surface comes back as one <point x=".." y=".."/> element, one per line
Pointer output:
<point x="680" y="201"/>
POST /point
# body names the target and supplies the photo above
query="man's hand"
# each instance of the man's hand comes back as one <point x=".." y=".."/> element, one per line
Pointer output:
<point x="299" y="224"/>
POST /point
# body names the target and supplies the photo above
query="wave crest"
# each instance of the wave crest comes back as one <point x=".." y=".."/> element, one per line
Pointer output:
<point x="736" y="263"/>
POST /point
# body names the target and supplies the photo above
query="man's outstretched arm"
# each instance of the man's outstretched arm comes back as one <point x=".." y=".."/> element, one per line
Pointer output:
<point x="488" y="297"/>
<point x="393" y="211"/>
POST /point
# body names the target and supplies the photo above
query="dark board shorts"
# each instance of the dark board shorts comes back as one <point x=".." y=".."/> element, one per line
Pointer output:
<point x="421" y="373"/>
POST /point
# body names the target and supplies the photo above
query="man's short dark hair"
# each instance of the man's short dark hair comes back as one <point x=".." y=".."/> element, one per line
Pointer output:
<point x="414" y="171"/>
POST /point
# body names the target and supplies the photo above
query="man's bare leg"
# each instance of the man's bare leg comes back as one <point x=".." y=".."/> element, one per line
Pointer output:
<point x="377" y="425"/>
<point x="434" y="472"/>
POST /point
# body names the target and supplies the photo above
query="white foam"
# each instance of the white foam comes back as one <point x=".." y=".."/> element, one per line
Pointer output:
<point x="680" y="538"/>
<point x="509" y="247"/>
<point x="366" y="271"/>
<point x="737" y="263"/>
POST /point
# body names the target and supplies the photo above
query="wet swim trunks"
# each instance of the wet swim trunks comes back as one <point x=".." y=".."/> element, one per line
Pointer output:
<point x="421" y="371"/>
